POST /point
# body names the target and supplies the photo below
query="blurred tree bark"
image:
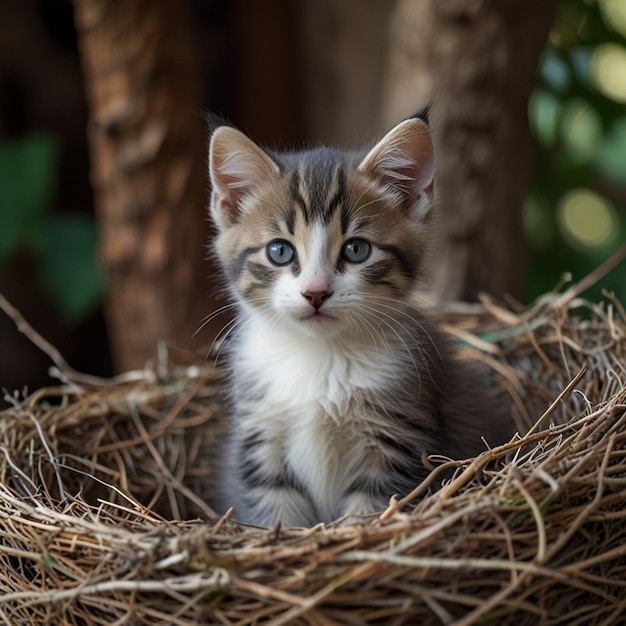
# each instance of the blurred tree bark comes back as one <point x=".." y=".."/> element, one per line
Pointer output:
<point x="147" y="143"/>
<point x="341" y="53"/>
<point x="476" y="61"/>
<point x="266" y="91"/>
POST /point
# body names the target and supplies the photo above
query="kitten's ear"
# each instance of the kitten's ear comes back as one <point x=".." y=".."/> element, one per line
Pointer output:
<point x="237" y="166"/>
<point x="404" y="162"/>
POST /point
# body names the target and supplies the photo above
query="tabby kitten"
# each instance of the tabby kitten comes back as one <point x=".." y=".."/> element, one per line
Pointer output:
<point x="339" y="384"/>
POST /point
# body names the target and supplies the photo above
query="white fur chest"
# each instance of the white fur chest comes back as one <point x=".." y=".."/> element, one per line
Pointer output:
<point x="310" y="403"/>
<point x="301" y="373"/>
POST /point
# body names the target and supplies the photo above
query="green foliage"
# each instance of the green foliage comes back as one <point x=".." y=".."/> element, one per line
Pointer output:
<point x="63" y="245"/>
<point x="27" y="178"/>
<point x="575" y="213"/>
<point x="68" y="270"/>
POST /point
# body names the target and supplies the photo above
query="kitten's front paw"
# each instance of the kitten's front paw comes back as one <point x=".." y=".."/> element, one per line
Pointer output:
<point x="358" y="507"/>
<point x="285" y="506"/>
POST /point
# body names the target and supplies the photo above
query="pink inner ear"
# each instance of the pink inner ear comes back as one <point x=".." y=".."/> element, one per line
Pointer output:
<point x="404" y="160"/>
<point x="237" y="166"/>
<point x="423" y="169"/>
<point x="228" y="192"/>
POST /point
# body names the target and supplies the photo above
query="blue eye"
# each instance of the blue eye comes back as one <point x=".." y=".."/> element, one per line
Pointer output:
<point x="280" y="252"/>
<point x="356" y="250"/>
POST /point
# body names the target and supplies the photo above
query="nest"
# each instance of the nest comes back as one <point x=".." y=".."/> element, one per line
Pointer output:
<point x="104" y="488"/>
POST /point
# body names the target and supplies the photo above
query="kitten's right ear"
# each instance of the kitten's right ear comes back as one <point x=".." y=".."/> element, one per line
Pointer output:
<point x="237" y="166"/>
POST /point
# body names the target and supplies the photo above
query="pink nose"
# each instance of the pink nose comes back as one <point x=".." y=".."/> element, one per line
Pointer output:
<point x="316" y="298"/>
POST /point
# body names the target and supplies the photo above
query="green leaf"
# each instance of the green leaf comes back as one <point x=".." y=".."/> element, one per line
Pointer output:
<point x="28" y="169"/>
<point x="69" y="272"/>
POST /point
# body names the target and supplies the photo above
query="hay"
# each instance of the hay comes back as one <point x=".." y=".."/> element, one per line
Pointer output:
<point x="104" y="484"/>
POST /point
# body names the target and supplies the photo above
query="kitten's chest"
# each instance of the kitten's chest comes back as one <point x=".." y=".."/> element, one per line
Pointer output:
<point x="311" y="378"/>
<point x="319" y="406"/>
<point x="325" y="456"/>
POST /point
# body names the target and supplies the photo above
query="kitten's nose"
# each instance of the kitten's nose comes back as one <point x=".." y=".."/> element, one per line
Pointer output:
<point x="316" y="298"/>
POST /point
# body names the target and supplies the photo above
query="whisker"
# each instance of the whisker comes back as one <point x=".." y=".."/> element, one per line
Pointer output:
<point x="415" y="320"/>
<point x="373" y="332"/>
<point x="383" y="317"/>
<point x="209" y="318"/>
<point x="221" y="338"/>
<point x="232" y="329"/>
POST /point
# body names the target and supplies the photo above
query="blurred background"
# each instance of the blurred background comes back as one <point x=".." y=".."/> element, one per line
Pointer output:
<point x="102" y="147"/>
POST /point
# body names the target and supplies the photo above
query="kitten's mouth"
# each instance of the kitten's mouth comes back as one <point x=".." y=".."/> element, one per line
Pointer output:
<point x="317" y="317"/>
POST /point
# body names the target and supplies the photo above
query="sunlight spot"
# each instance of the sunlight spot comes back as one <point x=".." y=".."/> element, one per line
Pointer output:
<point x="608" y="70"/>
<point x="581" y="129"/>
<point x="587" y="219"/>
<point x="614" y="14"/>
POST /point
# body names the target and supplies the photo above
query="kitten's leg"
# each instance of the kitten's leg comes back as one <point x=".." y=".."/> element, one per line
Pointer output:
<point x="371" y="492"/>
<point x="271" y="504"/>
<point x="364" y="496"/>
<point x="265" y="491"/>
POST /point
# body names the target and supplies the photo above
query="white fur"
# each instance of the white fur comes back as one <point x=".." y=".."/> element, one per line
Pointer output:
<point x="320" y="369"/>
<point x="317" y="272"/>
<point x="309" y="390"/>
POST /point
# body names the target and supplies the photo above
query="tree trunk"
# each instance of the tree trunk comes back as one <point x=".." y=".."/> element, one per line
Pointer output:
<point x="341" y="61"/>
<point x="265" y="90"/>
<point x="475" y="60"/>
<point x="147" y="145"/>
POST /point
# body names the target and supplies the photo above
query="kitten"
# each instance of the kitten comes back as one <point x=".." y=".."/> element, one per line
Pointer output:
<point x="339" y="384"/>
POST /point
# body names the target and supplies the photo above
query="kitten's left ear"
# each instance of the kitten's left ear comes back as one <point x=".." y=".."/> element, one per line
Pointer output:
<point x="403" y="161"/>
<point x="237" y="167"/>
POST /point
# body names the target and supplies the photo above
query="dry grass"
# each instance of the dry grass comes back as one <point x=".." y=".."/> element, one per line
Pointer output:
<point x="103" y="487"/>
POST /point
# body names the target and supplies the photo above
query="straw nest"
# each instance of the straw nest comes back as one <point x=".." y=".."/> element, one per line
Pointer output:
<point x="104" y="484"/>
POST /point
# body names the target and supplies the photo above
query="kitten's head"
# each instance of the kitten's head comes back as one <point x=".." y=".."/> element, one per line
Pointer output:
<point x="323" y="240"/>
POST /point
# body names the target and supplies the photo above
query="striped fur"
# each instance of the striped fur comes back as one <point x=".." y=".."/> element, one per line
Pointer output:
<point x="339" y="385"/>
